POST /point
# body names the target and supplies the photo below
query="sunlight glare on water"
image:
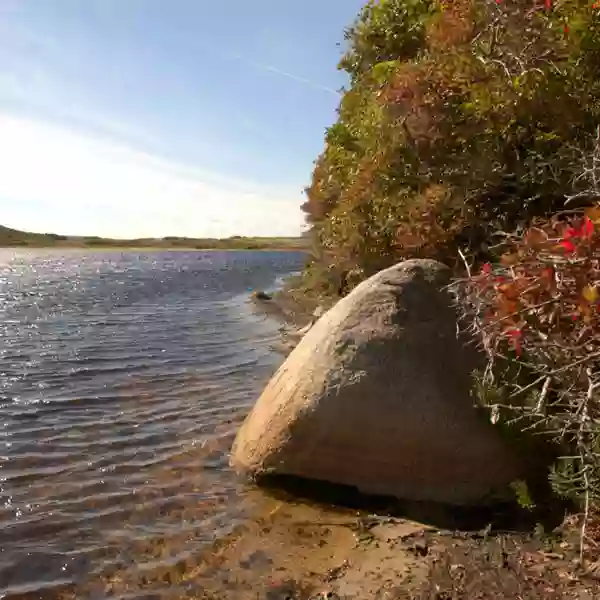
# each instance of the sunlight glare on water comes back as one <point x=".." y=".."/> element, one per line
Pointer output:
<point x="122" y="379"/>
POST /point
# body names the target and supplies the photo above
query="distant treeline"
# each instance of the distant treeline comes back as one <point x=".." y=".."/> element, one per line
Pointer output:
<point x="15" y="238"/>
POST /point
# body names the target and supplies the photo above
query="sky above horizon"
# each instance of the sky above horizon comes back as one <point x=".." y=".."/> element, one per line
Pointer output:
<point x="146" y="118"/>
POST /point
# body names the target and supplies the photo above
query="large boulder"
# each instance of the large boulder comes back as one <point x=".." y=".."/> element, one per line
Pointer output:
<point x="377" y="396"/>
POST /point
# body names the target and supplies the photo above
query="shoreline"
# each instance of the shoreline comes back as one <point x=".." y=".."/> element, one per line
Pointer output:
<point x="152" y="249"/>
<point x="296" y="548"/>
<point x="293" y="309"/>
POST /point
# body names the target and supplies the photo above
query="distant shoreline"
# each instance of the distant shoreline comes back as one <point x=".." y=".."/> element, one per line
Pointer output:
<point x="153" y="248"/>
<point x="13" y="238"/>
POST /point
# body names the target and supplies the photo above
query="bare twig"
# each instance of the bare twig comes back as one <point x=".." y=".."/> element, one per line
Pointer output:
<point x="581" y="443"/>
<point x="542" y="398"/>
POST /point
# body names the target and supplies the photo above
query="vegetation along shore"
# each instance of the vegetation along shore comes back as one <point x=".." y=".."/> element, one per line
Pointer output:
<point x="463" y="171"/>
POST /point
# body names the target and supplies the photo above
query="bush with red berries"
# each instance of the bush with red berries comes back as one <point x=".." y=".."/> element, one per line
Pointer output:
<point x="537" y="314"/>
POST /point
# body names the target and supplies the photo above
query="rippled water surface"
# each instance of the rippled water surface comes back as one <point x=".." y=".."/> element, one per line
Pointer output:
<point x="122" y="379"/>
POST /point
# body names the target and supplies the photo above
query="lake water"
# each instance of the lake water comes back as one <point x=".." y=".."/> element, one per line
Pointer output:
<point x="123" y="377"/>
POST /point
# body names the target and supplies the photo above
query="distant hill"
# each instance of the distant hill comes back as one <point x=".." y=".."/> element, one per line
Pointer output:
<point x="14" y="238"/>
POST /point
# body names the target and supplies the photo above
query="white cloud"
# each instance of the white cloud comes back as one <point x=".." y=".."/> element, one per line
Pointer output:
<point x="55" y="179"/>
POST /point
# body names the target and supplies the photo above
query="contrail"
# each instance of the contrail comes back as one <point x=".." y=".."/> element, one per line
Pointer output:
<point x="272" y="69"/>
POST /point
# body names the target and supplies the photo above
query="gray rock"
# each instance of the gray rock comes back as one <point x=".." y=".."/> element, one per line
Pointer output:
<point x="377" y="396"/>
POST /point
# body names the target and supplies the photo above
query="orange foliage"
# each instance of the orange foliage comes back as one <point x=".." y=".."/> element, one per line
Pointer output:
<point x="454" y="25"/>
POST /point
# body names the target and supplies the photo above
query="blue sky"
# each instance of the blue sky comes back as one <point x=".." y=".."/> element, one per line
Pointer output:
<point x="164" y="117"/>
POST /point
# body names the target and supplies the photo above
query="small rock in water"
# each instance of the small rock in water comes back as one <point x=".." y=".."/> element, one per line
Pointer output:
<point x="260" y="295"/>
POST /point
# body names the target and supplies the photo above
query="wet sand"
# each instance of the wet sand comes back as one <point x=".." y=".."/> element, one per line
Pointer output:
<point x="299" y="550"/>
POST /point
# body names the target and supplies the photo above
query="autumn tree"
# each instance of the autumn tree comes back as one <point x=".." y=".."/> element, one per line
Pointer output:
<point x="461" y="118"/>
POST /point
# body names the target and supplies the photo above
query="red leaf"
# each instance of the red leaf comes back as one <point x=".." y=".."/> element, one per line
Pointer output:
<point x="568" y="246"/>
<point x="486" y="269"/>
<point x="585" y="230"/>
<point x="515" y="336"/>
